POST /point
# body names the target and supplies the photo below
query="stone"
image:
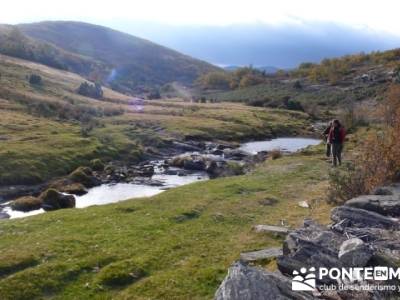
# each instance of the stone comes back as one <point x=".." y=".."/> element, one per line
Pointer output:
<point x="303" y="204"/>
<point x="279" y="230"/>
<point x="235" y="154"/>
<point x="355" y="217"/>
<point x="4" y="215"/>
<point x="26" y="203"/>
<point x="388" y="205"/>
<point x="261" y="254"/>
<point x="249" y="283"/>
<point x="53" y="200"/>
<point x="74" y="188"/>
<point x="195" y="164"/>
<point x="354" y="253"/>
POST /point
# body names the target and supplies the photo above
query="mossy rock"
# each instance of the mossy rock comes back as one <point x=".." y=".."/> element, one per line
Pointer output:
<point x="97" y="164"/>
<point x="52" y="200"/>
<point x="84" y="176"/>
<point x="74" y="188"/>
<point x="27" y="203"/>
<point x="120" y="273"/>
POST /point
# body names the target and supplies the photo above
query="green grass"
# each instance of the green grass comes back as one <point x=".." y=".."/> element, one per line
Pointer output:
<point x="49" y="130"/>
<point x="176" y="245"/>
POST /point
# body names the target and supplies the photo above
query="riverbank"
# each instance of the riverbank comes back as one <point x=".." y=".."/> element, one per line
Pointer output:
<point x="114" y="183"/>
<point x="180" y="242"/>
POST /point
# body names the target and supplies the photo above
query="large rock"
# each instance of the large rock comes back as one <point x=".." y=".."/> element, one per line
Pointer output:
<point x="310" y="246"/>
<point x="52" y="200"/>
<point x="385" y="205"/>
<point x="355" y="217"/>
<point x="4" y="215"/>
<point x="354" y="253"/>
<point x="26" y="203"/>
<point x="249" y="283"/>
<point x="84" y="175"/>
<point x="393" y="189"/>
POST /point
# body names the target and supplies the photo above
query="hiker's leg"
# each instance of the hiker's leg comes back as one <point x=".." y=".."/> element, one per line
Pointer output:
<point x="334" y="154"/>
<point x="328" y="150"/>
<point x="339" y="153"/>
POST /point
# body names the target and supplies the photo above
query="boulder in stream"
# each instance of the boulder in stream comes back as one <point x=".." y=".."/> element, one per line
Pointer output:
<point x="26" y="203"/>
<point x="53" y="200"/>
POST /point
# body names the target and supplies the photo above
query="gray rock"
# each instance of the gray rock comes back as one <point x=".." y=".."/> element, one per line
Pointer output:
<point x="354" y="253"/>
<point x="393" y="189"/>
<point x="236" y="154"/>
<point x="249" y="283"/>
<point x="385" y="205"/>
<point x="194" y="164"/>
<point x="261" y="254"/>
<point x="4" y="215"/>
<point x="355" y="217"/>
<point x="279" y="230"/>
<point x="186" y="146"/>
<point x="310" y="246"/>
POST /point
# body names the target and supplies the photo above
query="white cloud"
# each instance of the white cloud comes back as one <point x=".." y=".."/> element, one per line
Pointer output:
<point x="377" y="15"/>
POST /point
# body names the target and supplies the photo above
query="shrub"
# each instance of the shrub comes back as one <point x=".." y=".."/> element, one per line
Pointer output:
<point x="35" y="79"/>
<point x="275" y="154"/>
<point x="97" y="164"/>
<point x="90" y="90"/>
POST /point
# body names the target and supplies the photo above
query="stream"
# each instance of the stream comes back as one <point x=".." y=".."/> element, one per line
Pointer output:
<point x="162" y="180"/>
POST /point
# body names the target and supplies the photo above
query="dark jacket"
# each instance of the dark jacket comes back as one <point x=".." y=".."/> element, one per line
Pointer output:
<point x="337" y="135"/>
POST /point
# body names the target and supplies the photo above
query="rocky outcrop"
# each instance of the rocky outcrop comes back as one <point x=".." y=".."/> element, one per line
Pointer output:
<point x="365" y="233"/>
<point x="249" y="283"/>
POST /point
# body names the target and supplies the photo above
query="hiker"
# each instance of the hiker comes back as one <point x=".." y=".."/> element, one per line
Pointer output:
<point x="336" y="138"/>
<point x="326" y="136"/>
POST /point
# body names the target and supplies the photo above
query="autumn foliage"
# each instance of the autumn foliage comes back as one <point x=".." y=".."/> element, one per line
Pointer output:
<point x="377" y="159"/>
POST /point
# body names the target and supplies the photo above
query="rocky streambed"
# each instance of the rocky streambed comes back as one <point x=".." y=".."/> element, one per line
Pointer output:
<point x="364" y="236"/>
<point x="102" y="184"/>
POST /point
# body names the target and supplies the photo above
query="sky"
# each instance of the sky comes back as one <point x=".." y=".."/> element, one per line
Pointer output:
<point x="379" y="15"/>
<point x="333" y="26"/>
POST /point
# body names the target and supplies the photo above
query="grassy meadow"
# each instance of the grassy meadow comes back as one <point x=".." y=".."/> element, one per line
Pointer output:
<point x="176" y="245"/>
<point x="48" y="130"/>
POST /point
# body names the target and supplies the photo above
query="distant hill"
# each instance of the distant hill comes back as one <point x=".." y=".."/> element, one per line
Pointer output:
<point x="267" y="69"/>
<point x="124" y="62"/>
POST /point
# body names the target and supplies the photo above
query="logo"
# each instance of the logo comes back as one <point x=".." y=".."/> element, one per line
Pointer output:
<point x="304" y="281"/>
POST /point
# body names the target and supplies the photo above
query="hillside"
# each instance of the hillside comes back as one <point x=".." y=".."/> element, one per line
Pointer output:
<point x="48" y="129"/>
<point x="320" y="89"/>
<point x="125" y="62"/>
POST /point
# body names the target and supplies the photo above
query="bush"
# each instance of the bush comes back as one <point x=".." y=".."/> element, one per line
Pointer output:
<point x="97" y="164"/>
<point x="35" y="79"/>
<point x="91" y="90"/>
<point x="275" y="154"/>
